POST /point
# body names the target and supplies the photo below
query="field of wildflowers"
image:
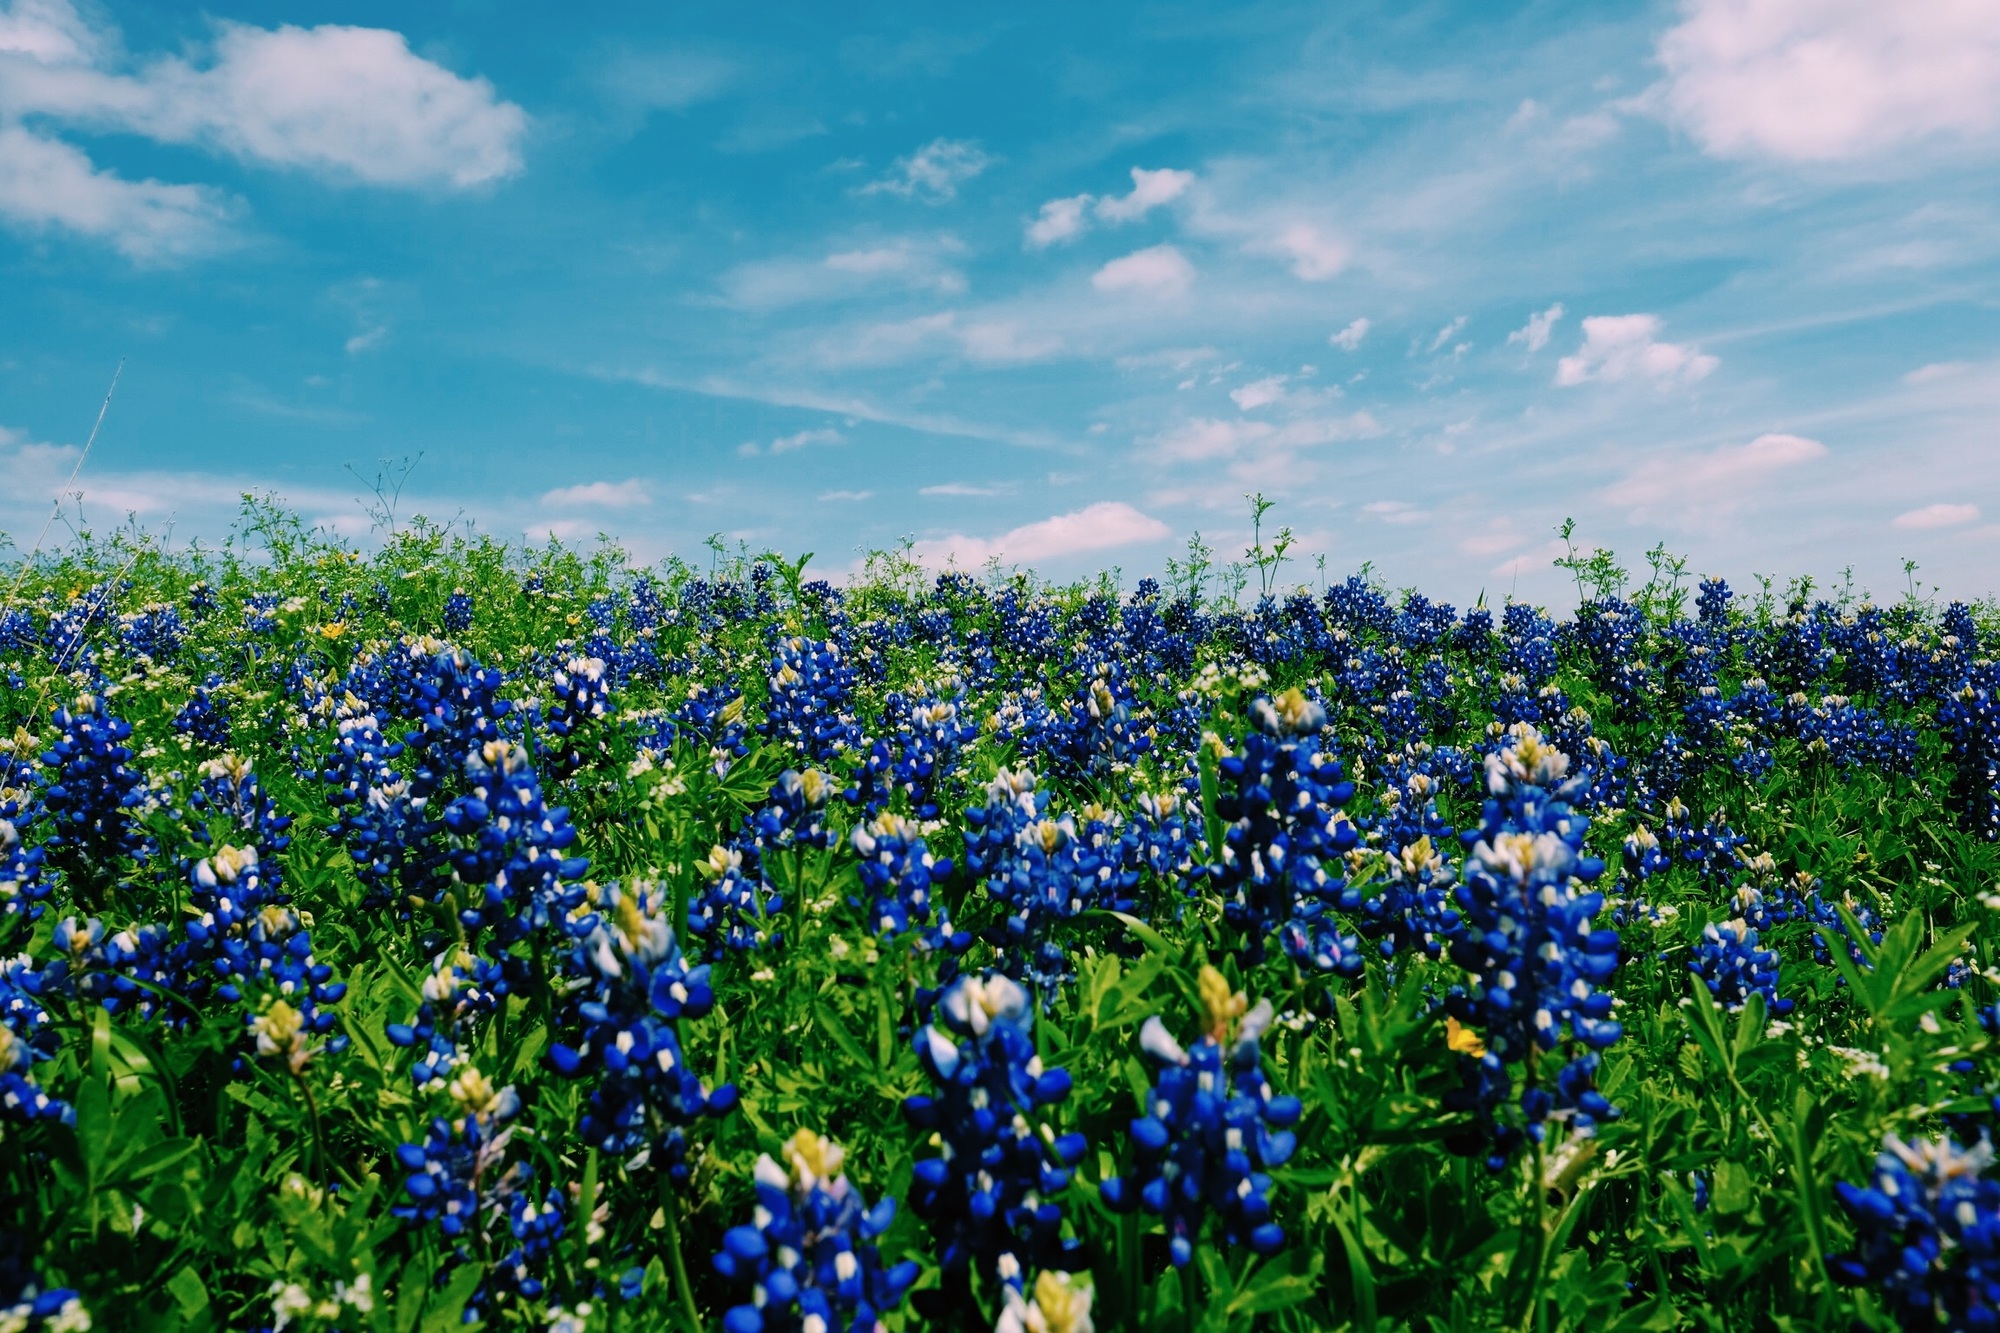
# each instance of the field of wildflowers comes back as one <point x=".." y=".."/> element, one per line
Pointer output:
<point x="459" y="934"/>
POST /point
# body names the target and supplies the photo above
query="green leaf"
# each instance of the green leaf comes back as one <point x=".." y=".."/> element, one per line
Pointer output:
<point x="448" y="1310"/>
<point x="188" y="1293"/>
<point x="842" y="1038"/>
<point x="1361" y="1277"/>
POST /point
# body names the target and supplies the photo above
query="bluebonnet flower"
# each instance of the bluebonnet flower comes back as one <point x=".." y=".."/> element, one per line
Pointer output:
<point x="1043" y="872"/>
<point x="130" y="969"/>
<point x="1105" y="729"/>
<point x="714" y="714"/>
<point x="23" y="888"/>
<point x="1927" y="1234"/>
<point x="736" y="909"/>
<point x="1412" y="911"/>
<point x="1731" y="965"/>
<point x="17" y="631"/>
<point x="792" y="816"/>
<point x="155" y="632"/>
<point x="810" y="1255"/>
<point x="200" y="720"/>
<point x="26" y="1038"/>
<point x="458" y="1180"/>
<point x="582" y="695"/>
<point x="634" y="987"/>
<point x="1286" y="834"/>
<point x="462" y="988"/>
<point x="989" y="1194"/>
<point x="534" y="1228"/>
<point x="1712" y="605"/>
<point x="811" y="703"/>
<point x="386" y="824"/>
<point x="1160" y="842"/>
<point x="26" y="1306"/>
<point x="897" y="871"/>
<point x="1526" y="937"/>
<point x="917" y="758"/>
<point x="90" y="795"/>
<point x="513" y="860"/>
<point x="457" y="615"/>
<point x="455" y="1173"/>
<point x="1969" y="719"/>
<point x="260" y="613"/>
<point x="1212" y="1129"/>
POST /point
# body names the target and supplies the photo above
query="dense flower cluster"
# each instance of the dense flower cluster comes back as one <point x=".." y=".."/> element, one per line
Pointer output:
<point x="810" y="1257"/>
<point x="1281" y="854"/>
<point x="1212" y="1131"/>
<point x="989" y="1193"/>
<point x="1537" y="964"/>
<point x="942" y="843"/>
<point x="1927" y="1234"/>
<point x="635" y="987"/>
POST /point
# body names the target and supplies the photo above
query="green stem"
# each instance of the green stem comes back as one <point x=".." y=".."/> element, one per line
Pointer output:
<point x="670" y="1209"/>
<point x="319" y="1133"/>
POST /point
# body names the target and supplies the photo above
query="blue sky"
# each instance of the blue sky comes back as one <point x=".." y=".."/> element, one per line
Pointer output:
<point x="1057" y="285"/>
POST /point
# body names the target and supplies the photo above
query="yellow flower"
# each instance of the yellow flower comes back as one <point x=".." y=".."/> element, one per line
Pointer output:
<point x="1462" y="1039"/>
<point x="332" y="629"/>
<point x="1220" y="1005"/>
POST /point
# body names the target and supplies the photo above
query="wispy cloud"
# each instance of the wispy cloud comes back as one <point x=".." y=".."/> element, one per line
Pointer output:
<point x="1103" y="526"/>
<point x="1619" y="347"/>
<point x="965" y="489"/>
<point x="1350" y="337"/>
<point x="1065" y="219"/>
<point x="628" y="494"/>
<point x="837" y="496"/>
<point x="1159" y="270"/>
<point x="1534" y="335"/>
<point x="786" y="444"/>
<point x="933" y="173"/>
<point x="1938" y="516"/>
<point x="1697" y="485"/>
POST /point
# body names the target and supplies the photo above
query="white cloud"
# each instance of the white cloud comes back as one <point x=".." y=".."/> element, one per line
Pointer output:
<point x="47" y="183"/>
<point x="1394" y="511"/>
<point x="1066" y="219"/>
<point x="1097" y="527"/>
<point x="1150" y="189"/>
<point x="786" y="444"/>
<point x="1534" y="335"/>
<point x="989" y="341"/>
<point x="367" y="340"/>
<point x="1617" y="347"/>
<point x="922" y="264"/>
<point x="1259" y="393"/>
<point x="1314" y="256"/>
<point x="934" y="172"/>
<point x="1938" y="516"/>
<point x="1447" y="333"/>
<point x="1158" y="270"/>
<point x="1821" y="80"/>
<point x="964" y="488"/>
<point x="1204" y="438"/>
<point x="1713" y="482"/>
<point x="1059" y="220"/>
<point x="1350" y="337"/>
<point x="846" y="495"/>
<point x="353" y="103"/>
<point x="48" y="31"/>
<point x="1937" y="370"/>
<point x="628" y="494"/>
